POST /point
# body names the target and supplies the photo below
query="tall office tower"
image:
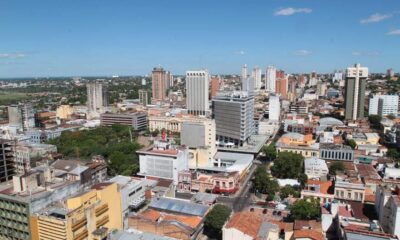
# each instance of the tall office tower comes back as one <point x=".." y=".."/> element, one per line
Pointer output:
<point x="234" y="117"/>
<point x="169" y="78"/>
<point x="197" y="85"/>
<point x="270" y="79"/>
<point x="274" y="108"/>
<point x="143" y="97"/>
<point x="244" y="72"/>
<point x="95" y="99"/>
<point x="256" y="74"/>
<point x="383" y="105"/>
<point x="158" y="84"/>
<point x="355" y="92"/>
<point x="7" y="168"/>
<point x="215" y="86"/>
<point x="105" y="95"/>
<point x="248" y="84"/>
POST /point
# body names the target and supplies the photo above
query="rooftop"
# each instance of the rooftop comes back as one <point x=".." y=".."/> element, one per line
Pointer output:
<point x="178" y="206"/>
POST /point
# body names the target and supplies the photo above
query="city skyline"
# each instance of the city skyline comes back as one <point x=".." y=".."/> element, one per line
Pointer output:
<point x="129" y="38"/>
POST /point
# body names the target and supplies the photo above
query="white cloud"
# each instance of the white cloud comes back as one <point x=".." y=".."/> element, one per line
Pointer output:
<point x="241" y="52"/>
<point x="12" y="55"/>
<point x="377" y="17"/>
<point x="368" y="54"/>
<point x="302" y="52"/>
<point x="290" y="11"/>
<point x="394" y="32"/>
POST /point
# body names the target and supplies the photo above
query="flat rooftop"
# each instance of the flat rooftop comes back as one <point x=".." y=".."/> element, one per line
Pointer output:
<point x="253" y="148"/>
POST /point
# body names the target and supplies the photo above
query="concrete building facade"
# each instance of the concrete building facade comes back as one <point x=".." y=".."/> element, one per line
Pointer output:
<point x="197" y="87"/>
<point x="356" y="78"/>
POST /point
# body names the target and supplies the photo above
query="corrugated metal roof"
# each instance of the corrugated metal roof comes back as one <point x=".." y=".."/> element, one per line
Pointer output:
<point x="178" y="206"/>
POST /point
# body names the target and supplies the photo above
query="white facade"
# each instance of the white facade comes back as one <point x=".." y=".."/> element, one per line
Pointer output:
<point x="270" y="79"/>
<point x="95" y="99"/>
<point x="244" y="73"/>
<point x="274" y="108"/>
<point x="248" y="85"/>
<point x="197" y="87"/>
<point x="163" y="163"/>
<point x="315" y="168"/>
<point x="388" y="209"/>
<point x="383" y="105"/>
<point x="256" y="74"/>
<point x="200" y="133"/>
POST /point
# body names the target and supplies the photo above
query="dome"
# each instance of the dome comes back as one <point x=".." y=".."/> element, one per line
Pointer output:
<point x="330" y="121"/>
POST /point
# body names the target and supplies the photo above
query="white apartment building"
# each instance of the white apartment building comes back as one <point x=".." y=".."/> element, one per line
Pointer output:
<point x="387" y="205"/>
<point x="274" y="108"/>
<point x="383" y="105"/>
<point x="256" y="75"/>
<point x="244" y="73"/>
<point x="197" y="87"/>
<point x="270" y="79"/>
<point x="315" y="168"/>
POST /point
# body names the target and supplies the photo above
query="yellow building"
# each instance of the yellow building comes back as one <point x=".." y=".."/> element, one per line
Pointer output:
<point x="64" y="112"/>
<point x="90" y="215"/>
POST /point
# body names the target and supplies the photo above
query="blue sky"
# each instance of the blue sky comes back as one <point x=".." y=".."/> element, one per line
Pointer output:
<point x="129" y="37"/>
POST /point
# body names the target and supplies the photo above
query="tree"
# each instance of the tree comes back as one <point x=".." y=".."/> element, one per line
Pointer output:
<point x="262" y="182"/>
<point x="374" y="119"/>
<point x="270" y="152"/>
<point x="393" y="154"/>
<point x="352" y="143"/>
<point x="391" y="116"/>
<point x="288" y="190"/>
<point x="215" y="220"/>
<point x="336" y="166"/>
<point x="288" y="165"/>
<point x="305" y="209"/>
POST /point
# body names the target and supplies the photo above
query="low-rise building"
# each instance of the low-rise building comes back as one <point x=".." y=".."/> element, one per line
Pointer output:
<point x="163" y="160"/>
<point x="248" y="226"/>
<point x="349" y="191"/>
<point x="315" y="168"/>
<point x="331" y="151"/>
<point x="136" y="120"/>
<point x="298" y="143"/>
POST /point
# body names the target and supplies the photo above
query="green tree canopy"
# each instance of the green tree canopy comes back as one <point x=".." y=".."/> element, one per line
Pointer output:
<point x="113" y="143"/>
<point x="270" y="152"/>
<point x="215" y="220"/>
<point x="305" y="209"/>
<point x="393" y="153"/>
<point x="288" y="190"/>
<point x="288" y="165"/>
<point x="374" y="119"/>
<point x="352" y="143"/>
<point x="336" y="166"/>
<point x="262" y="183"/>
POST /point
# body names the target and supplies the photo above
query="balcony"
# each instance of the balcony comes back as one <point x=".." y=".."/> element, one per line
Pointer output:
<point x="102" y="209"/>
<point x="78" y="224"/>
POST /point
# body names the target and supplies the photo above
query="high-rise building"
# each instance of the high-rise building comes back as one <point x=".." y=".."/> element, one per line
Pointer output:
<point x="270" y="79"/>
<point x="234" y="117"/>
<point x="256" y="74"/>
<point x="248" y="85"/>
<point x="143" y="97"/>
<point x="159" y="84"/>
<point x="281" y="83"/>
<point x="197" y="85"/>
<point x="383" y="105"/>
<point x="95" y="99"/>
<point x="14" y="117"/>
<point x="7" y="168"/>
<point x="28" y="116"/>
<point x="274" y="108"/>
<point x="355" y="92"/>
<point x="337" y="76"/>
<point x="244" y="72"/>
<point x="215" y="86"/>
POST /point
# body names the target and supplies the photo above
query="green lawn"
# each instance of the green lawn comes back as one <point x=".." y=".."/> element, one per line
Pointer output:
<point x="11" y="97"/>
